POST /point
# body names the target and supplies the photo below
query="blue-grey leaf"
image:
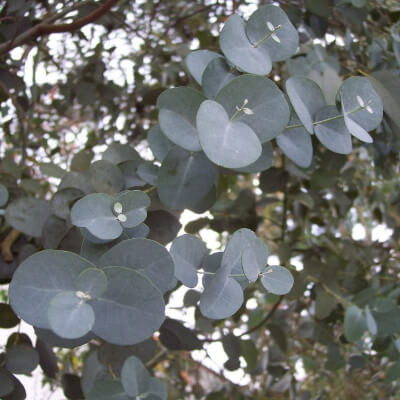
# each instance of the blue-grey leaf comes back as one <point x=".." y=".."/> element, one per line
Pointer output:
<point x="197" y="61"/>
<point x="270" y="108"/>
<point x="222" y="296"/>
<point x="262" y="163"/>
<point x="226" y="142"/>
<point x="95" y="213"/>
<point x="28" y="215"/>
<point x="117" y="153"/>
<point x="217" y="74"/>
<point x="31" y="290"/>
<point x="92" y="281"/>
<point x="177" y="118"/>
<point x="159" y="144"/>
<point x="306" y="97"/>
<point x="286" y="40"/>
<point x="185" y="178"/>
<point x="106" y="177"/>
<point x="130" y="297"/>
<point x="296" y="144"/>
<point x="362" y="107"/>
<point x="333" y="134"/>
<point x="277" y="280"/>
<point x="145" y="256"/>
<point x="237" y="48"/>
<point x="70" y="317"/>
<point x="134" y="377"/>
<point x="188" y="253"/>
<point x="355" y="324"/>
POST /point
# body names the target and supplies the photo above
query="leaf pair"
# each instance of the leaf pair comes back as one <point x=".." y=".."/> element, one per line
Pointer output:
<point x="361" y="112"/>
<point x="103" y="217"/>
<point x="243" y="261"/>
<point x="268" y="36"/>
<point x="81" y="297"/>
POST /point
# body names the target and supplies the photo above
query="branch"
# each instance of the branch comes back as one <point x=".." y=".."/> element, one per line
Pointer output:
<point x="44" y="29"/>
<point x="265" y="319"/>
<point x="7" y="244"/>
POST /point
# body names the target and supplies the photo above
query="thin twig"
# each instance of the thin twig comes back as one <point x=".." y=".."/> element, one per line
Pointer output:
<point x="44" y="29"/>
<point x="8" y="243"/>
<point x="265" y="319"/>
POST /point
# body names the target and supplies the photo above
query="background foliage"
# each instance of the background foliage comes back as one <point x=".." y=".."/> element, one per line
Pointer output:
<point x="83" y="86"/>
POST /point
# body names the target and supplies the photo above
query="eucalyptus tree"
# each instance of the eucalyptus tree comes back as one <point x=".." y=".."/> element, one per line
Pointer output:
<point x="276" y="123"/>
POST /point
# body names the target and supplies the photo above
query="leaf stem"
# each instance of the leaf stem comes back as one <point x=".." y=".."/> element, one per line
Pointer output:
<point x="265" y="319"/>
<point x="213" y="273"/>
<point x="323" y="121"/>
<point x="268" y="35"/>
<point x="237" y="112"/>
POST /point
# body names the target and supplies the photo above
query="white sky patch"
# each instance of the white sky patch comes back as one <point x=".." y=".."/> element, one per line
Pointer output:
<point x="358" y="232"/>
<point x="381" y="233"/>
<point x="297" y="263"/>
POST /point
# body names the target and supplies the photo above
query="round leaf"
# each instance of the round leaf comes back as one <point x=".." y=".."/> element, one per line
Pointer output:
<point x="222" y="296"/>
<point x="134" y="377"/>
<point x="277" y="280"/>
<point x="117" y="153"/>
<point x="361" y="106"/>
<point x="333" y="134"/>
<point x="62" y="201"/>
<point x="354" y="323"/>
<point x="159" y="144"/>
<point x="178" y="108"/>
<point x="254" y="258"/>
<point x="134" y="206"/>
<point x="92" y="281"/>
<point x="148" y="172"/>
<point x="69" y="316"/>
<point x="228" y="143"/>
<point x="240" y="52"/>
<point x="257" y="28"/>
<point x="130" y="298"/>
<point x="28" y="215"/>
<point x="188" y="253"/>
<point x="22" y="359"/>
<point x="158" y="390"/>
<point x="31" y="290"/>
<point x="106" y="177"/>
<point x="185" y="178"/>
<point x="93" y="370"/>
<point x="265" y="99"/>
<point x="129" y="172"/>
<point x="296" y="144"/>
<point x="262" y="163"/>
<point x="95" y="213"/>
<point x="145" y="256"/>
<point x="197" y="61"/>
<point x="76" y="180"/>
<point x="49" y="337"/>
<point x="306" y="97"/>
<point x="108" y="389"/>
<point x="217" y="74"/>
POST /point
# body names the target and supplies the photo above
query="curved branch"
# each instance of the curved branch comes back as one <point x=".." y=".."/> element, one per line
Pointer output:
<point x="265" y="319"/>
<point x="44" y="29"/>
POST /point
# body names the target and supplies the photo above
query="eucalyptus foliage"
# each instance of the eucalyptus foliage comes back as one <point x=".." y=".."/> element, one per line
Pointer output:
<point x="284" y="144"/>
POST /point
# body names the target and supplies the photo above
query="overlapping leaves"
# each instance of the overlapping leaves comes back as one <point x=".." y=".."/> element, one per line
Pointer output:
<point x="81" y="298"/>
